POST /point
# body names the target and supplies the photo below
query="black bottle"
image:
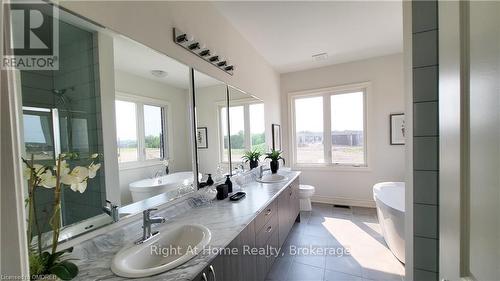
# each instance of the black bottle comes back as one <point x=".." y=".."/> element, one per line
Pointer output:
<point x="229" y="184"/>
<point x="210" y="181"/>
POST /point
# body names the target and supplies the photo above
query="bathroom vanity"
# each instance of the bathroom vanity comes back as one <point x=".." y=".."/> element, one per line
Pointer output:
<point x="268" y="229"/>
<point x="149" y="125"/>
<point x="262" y="219"/>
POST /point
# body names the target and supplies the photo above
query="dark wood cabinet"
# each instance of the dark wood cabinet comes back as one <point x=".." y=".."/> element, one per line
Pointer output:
<point x="269" y="229"/>
<point x="288" y="210"/>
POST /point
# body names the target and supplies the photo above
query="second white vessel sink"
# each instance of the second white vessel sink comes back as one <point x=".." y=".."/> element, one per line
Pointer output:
<point x="162" y="252"/>
<point x="272" y="178"/>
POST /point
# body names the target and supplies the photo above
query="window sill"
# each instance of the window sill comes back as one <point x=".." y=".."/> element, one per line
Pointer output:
<point x="331" y="167"/>
<point x="139" y="164"/>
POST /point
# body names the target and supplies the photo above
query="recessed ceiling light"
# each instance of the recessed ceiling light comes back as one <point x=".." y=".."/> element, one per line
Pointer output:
<point x="159" y="73"/>
<point x="320" y="57"/>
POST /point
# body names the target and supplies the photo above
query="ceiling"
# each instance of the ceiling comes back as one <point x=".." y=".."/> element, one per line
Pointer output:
<point x="287" y="34"/>
<point x="137" y="59"/>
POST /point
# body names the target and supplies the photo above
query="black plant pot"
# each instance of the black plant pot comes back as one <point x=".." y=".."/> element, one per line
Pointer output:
<point x="254" y="164"/>
<point x="275" y="165"/>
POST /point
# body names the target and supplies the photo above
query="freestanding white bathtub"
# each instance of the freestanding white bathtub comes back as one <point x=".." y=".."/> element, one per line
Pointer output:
<point x="390" y="200"/>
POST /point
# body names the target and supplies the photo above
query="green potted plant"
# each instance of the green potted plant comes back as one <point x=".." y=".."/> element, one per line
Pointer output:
<point x="275" y="156"/>
<point x="252" y="156"/>
<point x="52" y="264"/>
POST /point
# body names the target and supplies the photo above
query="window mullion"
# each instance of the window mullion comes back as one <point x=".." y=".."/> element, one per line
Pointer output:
<point x="327" y="129"/>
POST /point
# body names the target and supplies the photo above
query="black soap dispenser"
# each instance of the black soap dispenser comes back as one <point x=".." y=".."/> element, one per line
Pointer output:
<point x="210" y="181"/>
<point x="229" y="184"/>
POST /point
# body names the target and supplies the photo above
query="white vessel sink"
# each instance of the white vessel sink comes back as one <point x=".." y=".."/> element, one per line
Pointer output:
<point x="162" y="252"/>
<point x="272" y="178"/>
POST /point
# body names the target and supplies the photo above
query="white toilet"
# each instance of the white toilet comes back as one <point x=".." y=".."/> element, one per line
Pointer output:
<point x="305" y="194"/>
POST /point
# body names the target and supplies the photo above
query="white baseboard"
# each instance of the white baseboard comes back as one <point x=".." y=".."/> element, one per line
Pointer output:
<point x="343" y="201"/>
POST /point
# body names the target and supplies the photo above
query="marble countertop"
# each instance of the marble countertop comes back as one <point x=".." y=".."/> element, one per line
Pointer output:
<point x="225" y="219"/>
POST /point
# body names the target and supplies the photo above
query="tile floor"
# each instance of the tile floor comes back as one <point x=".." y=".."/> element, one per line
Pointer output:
<point x="328" y="227"/>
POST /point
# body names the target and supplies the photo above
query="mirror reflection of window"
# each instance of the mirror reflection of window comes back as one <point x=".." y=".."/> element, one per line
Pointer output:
<point x="246" y="118"/>
<point x="257" y="127"/>
<point x="126" y="131"/>
<point x="237" y="130"/>
<point x="153" y="132"/>
<point x="38" y="135"/>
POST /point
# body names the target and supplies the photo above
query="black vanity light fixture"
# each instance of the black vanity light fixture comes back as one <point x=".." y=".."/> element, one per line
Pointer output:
<point x="184" y="40"/>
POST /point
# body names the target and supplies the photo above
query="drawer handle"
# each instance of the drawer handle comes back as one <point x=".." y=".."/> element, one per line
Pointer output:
<point x="269" y="228"/>
<point x="268" y="212"/>
<point x="212" y="270"/>
<point x="204" y="277"/>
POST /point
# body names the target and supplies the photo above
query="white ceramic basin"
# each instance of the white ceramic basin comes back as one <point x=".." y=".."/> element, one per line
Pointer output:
<point x="148" y="188"/>
<point x="272" y="178"/>
<point x="162" y="252"/>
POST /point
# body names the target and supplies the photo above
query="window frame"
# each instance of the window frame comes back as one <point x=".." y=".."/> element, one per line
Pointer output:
<point x="139" y="102"/>
<point x="326" y="93"/>
<point x="246" y="102"/>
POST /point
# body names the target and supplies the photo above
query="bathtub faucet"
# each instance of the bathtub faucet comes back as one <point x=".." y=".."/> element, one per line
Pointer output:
<point x="159" y="173"/>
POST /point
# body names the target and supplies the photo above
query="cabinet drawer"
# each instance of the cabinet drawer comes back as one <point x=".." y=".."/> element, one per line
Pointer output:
<point x="267" y="230"/>
<point x="265" y="215"/>
<point x="265" y="262"/>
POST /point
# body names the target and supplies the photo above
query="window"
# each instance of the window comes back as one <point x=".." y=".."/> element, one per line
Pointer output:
<point x="329" y="127"/>
<point x="309" y="130"/>
<point x="140" y="130"/>
<point x="246" y="127"/>
<point x="347" y="128"/>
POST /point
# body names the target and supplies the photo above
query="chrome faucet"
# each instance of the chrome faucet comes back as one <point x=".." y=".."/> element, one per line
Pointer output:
<point x="112" y="210"/>
<point x="262" y="170"/>
<point x="147" y="221"/>
<point x="241" y="168"/>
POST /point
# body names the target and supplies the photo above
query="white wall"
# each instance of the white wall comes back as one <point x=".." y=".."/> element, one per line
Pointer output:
<point x="151" y="23"/>
<point x="178" y="126"/>
<point x="385" y="96"/>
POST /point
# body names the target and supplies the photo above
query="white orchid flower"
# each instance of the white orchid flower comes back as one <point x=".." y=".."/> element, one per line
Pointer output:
<point x="80" y="172"/>
<point x="64" y="168"/>
<point x="93" y="168"/>
<point x="76" y="179"/>
<point x="48" y="180"/>
<point x="94" y="156"/>
<point x="79" y="186"/>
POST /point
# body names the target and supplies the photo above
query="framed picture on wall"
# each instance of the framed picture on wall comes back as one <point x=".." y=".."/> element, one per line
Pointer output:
<point x="201" y="137"/>
<point x="276" y="131"/>
<point x="397" y="127"/>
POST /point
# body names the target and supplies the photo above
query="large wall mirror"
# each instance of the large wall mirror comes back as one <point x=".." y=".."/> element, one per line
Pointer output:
<point x="246" y="126"/>
<point x="118" y="119"/>
<point x="212" y="141"/>
<point x="118" y="114"/>
<point x="229" y="122"/>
